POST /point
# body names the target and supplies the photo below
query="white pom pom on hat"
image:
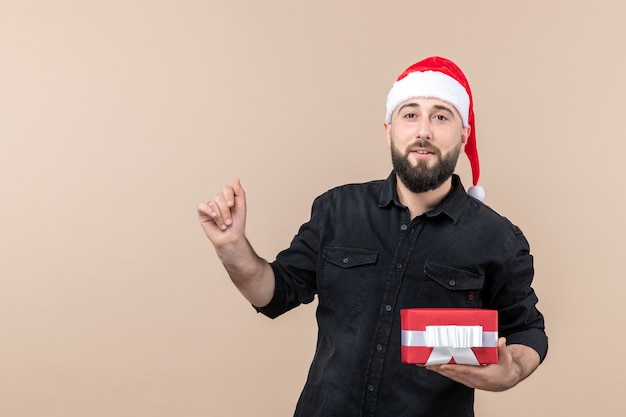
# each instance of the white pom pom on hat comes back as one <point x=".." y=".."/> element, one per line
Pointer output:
<point x="477" y="191"/>
<point x="437" y="77"/>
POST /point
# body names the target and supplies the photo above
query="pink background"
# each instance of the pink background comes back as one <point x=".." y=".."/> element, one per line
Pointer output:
<point x="118" y="117"/>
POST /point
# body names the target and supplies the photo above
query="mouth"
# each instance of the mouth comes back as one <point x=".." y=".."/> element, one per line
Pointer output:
<point x="422" y="148"/>
<point x="422" y="152"/>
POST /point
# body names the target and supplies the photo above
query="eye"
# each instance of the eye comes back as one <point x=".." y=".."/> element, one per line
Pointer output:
<point x="441" y="118"/>
<point x="410" y="116"/>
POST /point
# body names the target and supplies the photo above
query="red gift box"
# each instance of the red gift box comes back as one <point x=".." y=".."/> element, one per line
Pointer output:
<point x="432" y="336"/>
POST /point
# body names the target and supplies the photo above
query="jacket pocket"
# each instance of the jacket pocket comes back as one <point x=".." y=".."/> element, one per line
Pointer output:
<point x="345" y="279"/>
<point x="452" y="287"/>
<point x="349" y="257"/>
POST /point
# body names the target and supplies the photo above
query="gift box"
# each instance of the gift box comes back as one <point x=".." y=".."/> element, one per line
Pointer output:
<point x="434" y="336"/>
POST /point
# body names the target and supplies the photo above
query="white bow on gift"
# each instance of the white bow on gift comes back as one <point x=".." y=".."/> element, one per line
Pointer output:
<point x="451" y="342"/>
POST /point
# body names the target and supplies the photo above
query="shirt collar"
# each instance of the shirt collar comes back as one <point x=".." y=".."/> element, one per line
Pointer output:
<point x="388" y="193"/>
<point x="452" y="205"/>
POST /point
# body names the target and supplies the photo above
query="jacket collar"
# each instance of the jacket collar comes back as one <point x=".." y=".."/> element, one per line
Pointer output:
<point x="452" y="205"/>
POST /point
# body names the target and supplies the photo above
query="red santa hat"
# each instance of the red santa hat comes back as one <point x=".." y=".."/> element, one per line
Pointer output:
<point x="437" y="77"/>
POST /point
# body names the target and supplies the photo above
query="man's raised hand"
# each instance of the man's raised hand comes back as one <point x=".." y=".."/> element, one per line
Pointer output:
<point x="223" y="218"/>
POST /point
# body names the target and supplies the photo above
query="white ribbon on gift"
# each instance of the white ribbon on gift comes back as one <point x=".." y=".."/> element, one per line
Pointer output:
<point x="450" y="342"/>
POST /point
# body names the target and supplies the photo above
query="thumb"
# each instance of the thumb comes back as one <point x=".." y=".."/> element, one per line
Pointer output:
<point x="240" y="195"/>
<point x="239" y="192"/>
<point x="502" y="342"/>
<point x="503" y="352"/>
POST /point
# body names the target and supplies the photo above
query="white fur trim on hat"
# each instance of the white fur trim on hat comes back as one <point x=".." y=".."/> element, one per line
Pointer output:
<point x="429" y="84"/>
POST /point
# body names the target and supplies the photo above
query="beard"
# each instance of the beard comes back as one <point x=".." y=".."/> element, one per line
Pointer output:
<point x="420" y="178"/>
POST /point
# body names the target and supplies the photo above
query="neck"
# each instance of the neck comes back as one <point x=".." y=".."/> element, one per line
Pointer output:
<point x="420" y="203"/>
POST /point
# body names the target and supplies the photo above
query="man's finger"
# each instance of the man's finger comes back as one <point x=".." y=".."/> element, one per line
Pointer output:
<point x="205" y="212"/>
<point x="224" y="215"/>
<point x="240" y="194"/>
<point x="238" y="189"/>
<point x="227" y="196"/>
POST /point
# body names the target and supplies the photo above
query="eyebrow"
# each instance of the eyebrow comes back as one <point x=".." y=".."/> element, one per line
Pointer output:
<point x="445" y="108"/>
<point x="407" y="105"/>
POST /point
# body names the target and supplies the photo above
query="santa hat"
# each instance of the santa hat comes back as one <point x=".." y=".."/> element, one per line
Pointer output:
<point x="437" y="77"/>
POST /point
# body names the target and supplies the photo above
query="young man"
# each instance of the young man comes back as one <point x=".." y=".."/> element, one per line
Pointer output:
<point x="416" y="239"/>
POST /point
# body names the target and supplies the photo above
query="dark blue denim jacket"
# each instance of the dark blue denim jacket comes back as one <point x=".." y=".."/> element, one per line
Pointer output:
<point x="366" y="259"/>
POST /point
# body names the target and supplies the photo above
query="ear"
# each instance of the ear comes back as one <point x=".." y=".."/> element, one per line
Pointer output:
<point x="388" y="133"/>
<point x="465" y="132"/>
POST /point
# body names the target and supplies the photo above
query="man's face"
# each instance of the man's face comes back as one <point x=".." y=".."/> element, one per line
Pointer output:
<point x="426" y="137"/>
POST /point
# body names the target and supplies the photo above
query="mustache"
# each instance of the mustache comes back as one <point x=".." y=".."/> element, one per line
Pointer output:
<point x="422" y="144"/>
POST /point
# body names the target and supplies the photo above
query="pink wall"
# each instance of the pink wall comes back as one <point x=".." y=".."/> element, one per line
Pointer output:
<point x="118" y="117"/>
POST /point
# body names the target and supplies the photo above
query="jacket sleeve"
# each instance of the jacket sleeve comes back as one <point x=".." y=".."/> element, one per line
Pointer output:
<point x="295" y="268"/>
<point x="513" y="296"/>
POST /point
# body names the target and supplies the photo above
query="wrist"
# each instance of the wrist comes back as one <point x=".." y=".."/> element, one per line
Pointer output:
<point x="240" y="260"/>
<point x="524" y="360"/>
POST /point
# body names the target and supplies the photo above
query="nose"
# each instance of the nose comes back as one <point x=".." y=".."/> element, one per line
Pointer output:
<point x="424" y="129"/>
